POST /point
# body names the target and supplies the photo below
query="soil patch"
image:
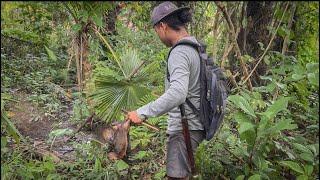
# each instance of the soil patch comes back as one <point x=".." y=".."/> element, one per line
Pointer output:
<point x="29" y="119"/>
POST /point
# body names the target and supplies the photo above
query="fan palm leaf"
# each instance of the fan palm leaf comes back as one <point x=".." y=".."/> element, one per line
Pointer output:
<point x="114" y="89"/>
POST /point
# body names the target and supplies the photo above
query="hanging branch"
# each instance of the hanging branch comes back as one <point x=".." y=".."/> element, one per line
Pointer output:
<point x="266" y="50"/>
<point x="234" y="34"/>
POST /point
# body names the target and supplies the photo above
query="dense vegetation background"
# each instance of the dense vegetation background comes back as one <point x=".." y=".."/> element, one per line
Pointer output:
<point x="64" y="62"/>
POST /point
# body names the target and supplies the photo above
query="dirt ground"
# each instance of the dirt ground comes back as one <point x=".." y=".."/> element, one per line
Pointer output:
<point x="29" y="119"/>
<point x="35" y="125"/>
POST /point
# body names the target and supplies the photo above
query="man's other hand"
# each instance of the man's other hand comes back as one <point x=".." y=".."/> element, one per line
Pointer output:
<point x="134" y="117"/>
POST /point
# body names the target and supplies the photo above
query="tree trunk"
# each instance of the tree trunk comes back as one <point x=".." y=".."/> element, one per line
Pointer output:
<point x="110" y="20"/>
<point x="111" y="17"/>
<point x="259" y="16"/>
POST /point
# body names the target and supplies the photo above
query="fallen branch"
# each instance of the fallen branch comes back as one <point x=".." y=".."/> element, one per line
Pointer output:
<point x="266" y="50"/>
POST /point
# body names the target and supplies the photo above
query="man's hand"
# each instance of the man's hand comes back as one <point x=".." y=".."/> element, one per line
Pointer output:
<point x="134" y="117"/>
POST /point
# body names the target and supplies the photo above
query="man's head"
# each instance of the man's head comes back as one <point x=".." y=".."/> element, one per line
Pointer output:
<point x="168" y="20"/>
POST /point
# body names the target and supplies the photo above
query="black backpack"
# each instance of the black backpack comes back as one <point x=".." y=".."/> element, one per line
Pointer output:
<point x="213" y="90"/>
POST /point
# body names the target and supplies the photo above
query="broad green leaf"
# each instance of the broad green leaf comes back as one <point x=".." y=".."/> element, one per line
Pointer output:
<point x="312" y="67"/>
<point x="292" y="165"/>
<point x="297" y="76"/>
<point x="97" y="20"/>
<point x="284" y="124"/>
<point x="51" y="54"/>
<point x="314" y="148"/>
<point x="302" y="177"/>
<point x="140" y="155"/>
<point x="299" y="69"/>
<point x="279" y="126"/>
<point x="249" y="136"/>
<point x="264" y="121"/>
<point x="121" y="165"/>
<point x="255" y="177"/>
<point x="241" y="117"/>
<point x="308" y="169"/>
<point x="307" y="157"/>
<point x="241" y="103"/>
<point x="313" y="78"/>
<point x="279" y="105"/>
<point x="270" y="87"/>
<point x="11" y="128"/>
<point x="280" y="85"/>
<point x="245" y="126"/>
<point x="241" y="177"/>
<point x="301" y="148"/>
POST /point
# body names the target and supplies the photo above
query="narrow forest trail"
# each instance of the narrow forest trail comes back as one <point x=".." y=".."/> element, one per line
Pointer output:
<point x="36" y="125"/>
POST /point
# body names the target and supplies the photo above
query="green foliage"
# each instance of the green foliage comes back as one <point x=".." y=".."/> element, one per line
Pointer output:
<point x="117" y="89"/>
<point x="6" y="123"/>
<point x="269" y="133"/>
<point x="306" y="32"/>
<point x="80" y="110"/>
<point x="268" y="121"/>
<point x="242" y="103"/>
<point x="152" y="51"/>
<point x="138" y="13"/>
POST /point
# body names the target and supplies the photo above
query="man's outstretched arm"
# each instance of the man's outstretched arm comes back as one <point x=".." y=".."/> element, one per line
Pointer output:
<point x="176" y="94"/>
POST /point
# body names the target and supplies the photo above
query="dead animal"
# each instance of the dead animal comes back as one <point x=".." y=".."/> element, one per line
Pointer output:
<point x="117" y="135"/>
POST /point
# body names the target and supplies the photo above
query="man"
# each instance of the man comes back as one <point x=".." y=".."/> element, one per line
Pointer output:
<point x="184" y="68"/>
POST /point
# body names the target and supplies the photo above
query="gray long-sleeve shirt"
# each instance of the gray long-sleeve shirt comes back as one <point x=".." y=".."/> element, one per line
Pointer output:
<point x="184" y="70"/>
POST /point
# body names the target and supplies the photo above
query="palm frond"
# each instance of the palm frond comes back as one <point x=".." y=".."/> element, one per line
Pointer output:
<point x="129" y="61"/>
<point x="113" y="91"/>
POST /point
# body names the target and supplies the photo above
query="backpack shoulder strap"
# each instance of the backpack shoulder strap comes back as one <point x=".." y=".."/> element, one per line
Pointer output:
<point x="200" y="48"/>
<point x="196" y="46"/>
